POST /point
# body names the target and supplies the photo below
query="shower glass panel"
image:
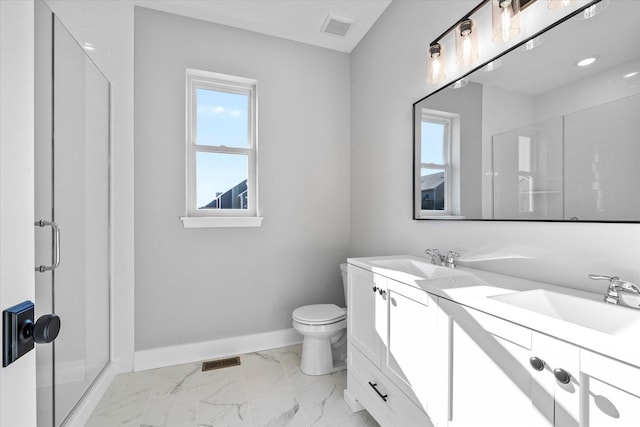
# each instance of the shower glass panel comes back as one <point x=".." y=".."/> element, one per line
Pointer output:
<point x="72" y="189"/>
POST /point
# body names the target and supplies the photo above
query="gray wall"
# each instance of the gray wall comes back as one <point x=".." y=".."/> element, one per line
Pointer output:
<point x="467" y="103"/>
<point x="194" y="285"/>
<point x="387" y="77"/>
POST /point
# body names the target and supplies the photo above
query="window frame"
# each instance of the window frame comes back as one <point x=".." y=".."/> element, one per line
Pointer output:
<point x="447" y="121"/>
<point x="198" y="79"/>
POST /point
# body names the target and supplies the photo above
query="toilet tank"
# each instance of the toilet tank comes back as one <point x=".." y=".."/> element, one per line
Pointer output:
<point x="343" y="269"/>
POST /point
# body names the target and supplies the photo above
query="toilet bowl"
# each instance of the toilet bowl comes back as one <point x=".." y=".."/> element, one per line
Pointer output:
<point x="324" y="328"/>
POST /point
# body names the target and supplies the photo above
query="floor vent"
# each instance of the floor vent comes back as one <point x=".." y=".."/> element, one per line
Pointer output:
<point x="210" y="365"/>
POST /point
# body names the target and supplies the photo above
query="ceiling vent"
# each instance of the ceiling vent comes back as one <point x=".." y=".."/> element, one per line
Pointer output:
<point x="336" y="25"/>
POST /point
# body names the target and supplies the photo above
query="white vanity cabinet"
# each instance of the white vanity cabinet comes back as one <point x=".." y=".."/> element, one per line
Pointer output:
<point x="391" y="333"/>
<point x="491" y="377"/>
<point x="610" y="392"/>
<point x="366" y="310"/>
<point x="486" y="371"/>
<point x="410" y="342"/>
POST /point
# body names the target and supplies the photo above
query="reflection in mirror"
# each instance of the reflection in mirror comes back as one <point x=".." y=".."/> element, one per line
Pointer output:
<point x="536" y="136"/>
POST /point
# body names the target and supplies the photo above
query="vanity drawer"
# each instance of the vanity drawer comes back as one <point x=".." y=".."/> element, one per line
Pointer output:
<point x="397" y="410"/>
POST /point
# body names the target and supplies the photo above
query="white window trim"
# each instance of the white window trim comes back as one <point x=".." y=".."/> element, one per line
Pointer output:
<point x="451" y="122"/>
<point x="198" y="218"/>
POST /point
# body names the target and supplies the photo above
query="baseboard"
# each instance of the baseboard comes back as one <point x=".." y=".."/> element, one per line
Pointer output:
<point x="83" y="410"/>
<point x="353" y="403"/>
<point x="195" y="352"/>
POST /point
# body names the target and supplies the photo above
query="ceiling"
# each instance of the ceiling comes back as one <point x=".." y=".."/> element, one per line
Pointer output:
<point x="610" y="35"/>
<point x="299" y="20"/>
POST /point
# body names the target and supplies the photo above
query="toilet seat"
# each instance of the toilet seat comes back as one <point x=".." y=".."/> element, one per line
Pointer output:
<point x="319" y="314"/>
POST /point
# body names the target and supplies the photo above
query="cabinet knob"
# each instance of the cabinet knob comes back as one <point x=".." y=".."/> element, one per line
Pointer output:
<point x="375" y="288"/>
<point x="537" y="363"/>
<point x="562" y="376"/>
<point x="382" y="292"/>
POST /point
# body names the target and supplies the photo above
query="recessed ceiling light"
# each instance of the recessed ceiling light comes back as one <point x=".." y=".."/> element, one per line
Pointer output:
<point x="628" y="76"/>
<point x="587" y="61"/>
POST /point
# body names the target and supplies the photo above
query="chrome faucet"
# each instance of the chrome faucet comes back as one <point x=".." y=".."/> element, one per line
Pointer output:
<point x="615" y="285"/>
<point x="448" y="260"/>
<point x="436" y="258"/>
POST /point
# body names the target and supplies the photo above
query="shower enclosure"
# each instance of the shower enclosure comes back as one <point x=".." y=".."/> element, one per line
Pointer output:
<point x="71" y="217"/>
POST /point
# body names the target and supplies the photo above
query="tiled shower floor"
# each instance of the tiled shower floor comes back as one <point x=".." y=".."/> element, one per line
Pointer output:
<point x="267" y="389"/>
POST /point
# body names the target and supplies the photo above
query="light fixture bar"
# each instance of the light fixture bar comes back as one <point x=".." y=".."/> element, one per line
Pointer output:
<point x="523" y="5"/>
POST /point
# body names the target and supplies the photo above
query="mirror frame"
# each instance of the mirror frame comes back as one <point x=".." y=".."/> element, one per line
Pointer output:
<point x="415" y="174"/>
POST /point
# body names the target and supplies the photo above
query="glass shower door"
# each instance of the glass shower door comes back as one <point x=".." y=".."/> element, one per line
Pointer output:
<point x="76" y="162"/>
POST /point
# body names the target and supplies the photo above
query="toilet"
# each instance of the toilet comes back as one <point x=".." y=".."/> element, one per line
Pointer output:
<point x="324" y="328"/>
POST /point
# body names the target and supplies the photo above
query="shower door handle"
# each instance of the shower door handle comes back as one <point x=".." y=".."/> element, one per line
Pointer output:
<point x="56" y="245"/>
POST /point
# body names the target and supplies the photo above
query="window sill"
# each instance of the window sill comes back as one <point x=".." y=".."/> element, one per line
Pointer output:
<point x="220" y="221"/>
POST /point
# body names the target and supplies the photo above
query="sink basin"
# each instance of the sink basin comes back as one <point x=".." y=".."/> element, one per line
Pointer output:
<point x="421" y="269"/>
<point x="592" y="314"/>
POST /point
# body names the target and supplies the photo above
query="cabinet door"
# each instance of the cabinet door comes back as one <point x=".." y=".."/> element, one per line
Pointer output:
<point x="610" y="392"/>
<point x="366" y="312"/>
<point x="565" y="398"/>
<point x="412" y="318"/>
<point x="490" y="380"/>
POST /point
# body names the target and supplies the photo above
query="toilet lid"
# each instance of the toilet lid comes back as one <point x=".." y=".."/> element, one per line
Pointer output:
<point x="319" y="313"/>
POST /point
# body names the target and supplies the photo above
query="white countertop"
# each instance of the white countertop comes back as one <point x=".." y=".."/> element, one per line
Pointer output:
<point x="472" y="287"/>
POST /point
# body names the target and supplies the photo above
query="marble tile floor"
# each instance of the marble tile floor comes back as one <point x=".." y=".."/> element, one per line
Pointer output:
<point x="267" y="389"/>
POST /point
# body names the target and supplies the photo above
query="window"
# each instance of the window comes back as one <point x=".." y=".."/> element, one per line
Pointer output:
<point x="436" y="179"/>
<point x="221" y="151"/>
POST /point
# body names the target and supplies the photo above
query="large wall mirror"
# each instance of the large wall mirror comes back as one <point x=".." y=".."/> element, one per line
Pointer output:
<point x="533" y="135"/>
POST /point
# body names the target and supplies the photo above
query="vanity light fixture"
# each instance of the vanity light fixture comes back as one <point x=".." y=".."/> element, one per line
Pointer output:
<point x="593" y="10"/>
<point x="587" y="61"/>
<point x="466" y="43"/>
<point x="435" y="65"/>
<point x="495" y="64"/>
<point x="533" y="43"/>
<point x="559" y="4"/>
<point x="505" y="19"/>
<point x="459" y="83"/>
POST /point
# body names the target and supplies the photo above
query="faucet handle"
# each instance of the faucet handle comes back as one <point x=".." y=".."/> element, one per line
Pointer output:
<point x="450" y="259"/>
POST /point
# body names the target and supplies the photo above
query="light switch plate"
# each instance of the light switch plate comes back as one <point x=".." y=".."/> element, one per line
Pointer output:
<point x="15" y="342"/>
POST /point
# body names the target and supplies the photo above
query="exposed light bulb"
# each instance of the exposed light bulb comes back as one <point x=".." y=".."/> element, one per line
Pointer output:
<point x="466" y="43"/>
<point x="506" y="19"/>
<point x="435" y="68"/>
<point x="435" y="64"/>
<point x="559" y="4"/>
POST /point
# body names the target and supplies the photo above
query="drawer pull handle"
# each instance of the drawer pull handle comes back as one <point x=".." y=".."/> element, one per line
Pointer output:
<point x="382" y="396"/>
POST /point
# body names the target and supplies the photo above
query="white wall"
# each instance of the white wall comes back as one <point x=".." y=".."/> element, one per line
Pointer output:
<point x="195" y="285"/>
<point x="387" y="70"/>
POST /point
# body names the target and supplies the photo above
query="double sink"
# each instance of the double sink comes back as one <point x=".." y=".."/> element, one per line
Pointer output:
<point x="581" y="309"/>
